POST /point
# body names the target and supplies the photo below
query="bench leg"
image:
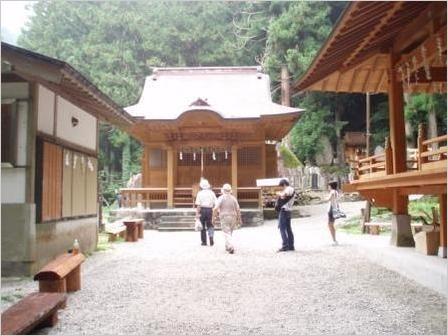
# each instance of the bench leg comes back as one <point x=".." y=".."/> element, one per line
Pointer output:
<point x="123" y="234"/>
<point x="51" y="321"/>
<point x="112" y="237"/>
<point x="53" y="286"/>
<point x="74" y="280"/>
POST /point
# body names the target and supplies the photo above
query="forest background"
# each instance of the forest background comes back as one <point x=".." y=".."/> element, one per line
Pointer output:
<point x="116" y="43"/>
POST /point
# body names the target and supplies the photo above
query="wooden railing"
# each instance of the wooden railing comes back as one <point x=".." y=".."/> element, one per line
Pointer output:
<point x="183" y="197"/>
<point x="430" y="154"/>
<point x="133" y="197"/>
<point x="250" y="195"/>
<point x="375" y="165"/>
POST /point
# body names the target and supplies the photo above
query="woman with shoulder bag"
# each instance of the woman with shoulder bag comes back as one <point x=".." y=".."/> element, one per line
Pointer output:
<point x="334" y="212"/>
<point x="229" y="215"/>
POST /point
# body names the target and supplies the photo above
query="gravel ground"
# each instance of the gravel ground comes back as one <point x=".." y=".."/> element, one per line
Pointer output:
<point x="167" y="284"/>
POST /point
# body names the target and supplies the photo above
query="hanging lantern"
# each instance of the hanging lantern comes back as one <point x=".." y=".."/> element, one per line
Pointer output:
<point x="214" y="156"/>
<point x="180" y="156"/>
<point x="194" y="156"/>
<point x="226" y="155"/>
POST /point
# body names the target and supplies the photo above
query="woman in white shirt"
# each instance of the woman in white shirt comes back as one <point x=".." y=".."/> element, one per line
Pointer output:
<point x="205" y="202"/>
<point x="333" y="200"/>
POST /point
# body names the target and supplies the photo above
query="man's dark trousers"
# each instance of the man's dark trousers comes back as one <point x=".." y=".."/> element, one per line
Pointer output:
<point x="284" y="224"/>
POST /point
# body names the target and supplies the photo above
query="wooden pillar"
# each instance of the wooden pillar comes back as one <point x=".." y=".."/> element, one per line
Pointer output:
<point x="443" y="229"/>
<point x="368" y="124"/>
<point x="170" y="177"/>
<point x="145" y="165"/>
<point x="397" y="132"/>
<point x="263" y="160"/>
<point x="235" y="170"/>
<point x="396" y="119"/>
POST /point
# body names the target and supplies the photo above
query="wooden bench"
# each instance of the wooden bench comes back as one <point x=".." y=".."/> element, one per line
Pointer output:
<point x="115" y="230"/>
<point x="62" y="274"/>
<point x="37" y="310"/>
<point x="134" y="229"/>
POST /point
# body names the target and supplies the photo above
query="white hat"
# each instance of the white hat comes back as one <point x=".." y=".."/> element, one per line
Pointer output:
<point x="204" y="184"/>
<point x="226" y="187"/>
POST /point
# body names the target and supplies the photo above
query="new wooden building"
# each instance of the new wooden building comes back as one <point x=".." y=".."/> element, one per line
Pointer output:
<point x="391" y="47"/>
<point x="49" y="117"/>
<point x="214" y="122"/>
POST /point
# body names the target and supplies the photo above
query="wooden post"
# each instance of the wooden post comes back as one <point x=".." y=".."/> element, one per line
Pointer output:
<point x="443" y="226"/>
<point x="235" y="170"/>
<point x="388" y="160"/>
<point x="396" y="119"/>
<point x="420" y="147"/>
<point x="367" y="124"/>
<point x="263" y="160"/>
<point x="170" y="177"/>
<point x="397" y="132"/>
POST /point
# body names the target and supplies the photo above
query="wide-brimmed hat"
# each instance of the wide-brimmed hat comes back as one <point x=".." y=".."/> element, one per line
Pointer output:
<point x="204" y="184"/>
<point x="226" y="188"/>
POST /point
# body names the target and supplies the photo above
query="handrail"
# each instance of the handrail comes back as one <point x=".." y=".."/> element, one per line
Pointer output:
<point x="441" y="150"/>
<point x="436" y="139"/>
<point x="373" y="157"/>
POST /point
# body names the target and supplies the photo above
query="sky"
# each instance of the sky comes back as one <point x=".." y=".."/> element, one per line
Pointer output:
<point x="14" y="15"/>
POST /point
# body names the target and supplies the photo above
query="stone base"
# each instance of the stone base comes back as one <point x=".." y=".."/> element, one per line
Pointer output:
<point x="427" y="242"/>
<point x="442" y="251"/>
<point x="401" y="231"/>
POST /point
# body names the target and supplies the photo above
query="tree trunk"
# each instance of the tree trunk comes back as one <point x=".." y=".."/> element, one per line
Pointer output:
<point x="339" y="141"/>
<point x="126" y="161"/>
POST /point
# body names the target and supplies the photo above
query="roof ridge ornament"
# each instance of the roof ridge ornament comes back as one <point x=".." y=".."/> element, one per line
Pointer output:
<point x="200" y="102"/>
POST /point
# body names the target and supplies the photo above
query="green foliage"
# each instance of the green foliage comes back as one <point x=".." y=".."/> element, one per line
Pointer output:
<point x="290" y="160"/>
<point x="115" y="44"/>
<point x="420" y="105"/>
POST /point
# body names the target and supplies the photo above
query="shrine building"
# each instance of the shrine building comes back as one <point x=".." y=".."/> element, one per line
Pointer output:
<point x="214" y="122"/>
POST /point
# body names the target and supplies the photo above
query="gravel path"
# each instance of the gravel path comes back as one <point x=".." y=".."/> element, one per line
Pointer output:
<point x="168" y="284"/>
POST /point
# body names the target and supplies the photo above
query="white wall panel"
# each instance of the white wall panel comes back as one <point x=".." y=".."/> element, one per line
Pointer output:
<point x="84" y="133"/>
<point x="13" y="185"/>
<point x="45" y="116"/>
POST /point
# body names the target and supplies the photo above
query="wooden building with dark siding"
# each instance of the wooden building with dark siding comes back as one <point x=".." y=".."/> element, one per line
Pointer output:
<point x="50" y="119"/>
<point x="214" y="122"/>
<point x="392" y="47"/>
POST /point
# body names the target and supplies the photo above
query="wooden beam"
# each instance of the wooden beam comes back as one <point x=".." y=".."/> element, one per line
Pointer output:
<point x="423" y="190"/>
<point x="420" y="26"/>
<point x="337" y="81"/>
<point x="352" y="81"/>
<point x="383" y="21"/>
